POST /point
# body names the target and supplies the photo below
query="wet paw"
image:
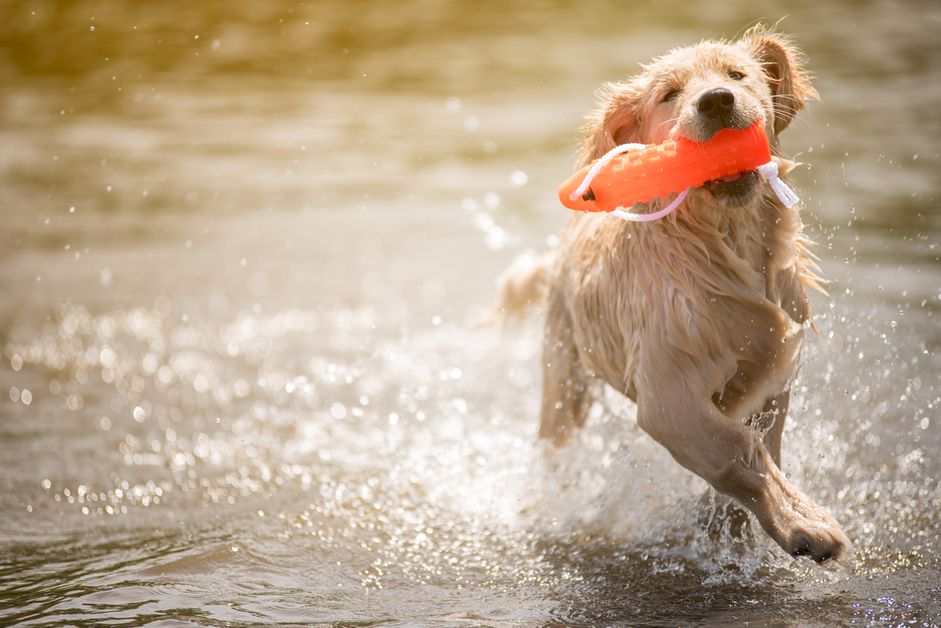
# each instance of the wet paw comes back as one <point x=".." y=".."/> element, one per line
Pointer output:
<point x="797" y="524"/>
<point x="819" y="544"/>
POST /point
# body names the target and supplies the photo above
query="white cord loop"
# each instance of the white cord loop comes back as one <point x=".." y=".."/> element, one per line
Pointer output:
<point x="769" y="172"/>
<point x="657" y="215"/>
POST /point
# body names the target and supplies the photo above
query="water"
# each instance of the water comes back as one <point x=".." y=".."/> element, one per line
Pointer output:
<point x="242" y="244"/>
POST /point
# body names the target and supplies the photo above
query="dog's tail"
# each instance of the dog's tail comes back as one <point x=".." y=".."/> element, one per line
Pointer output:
<point x="524" y="283"/>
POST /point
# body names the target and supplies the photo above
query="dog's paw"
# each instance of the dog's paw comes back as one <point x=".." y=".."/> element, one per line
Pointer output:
<point x="820" y="541"/>
<point x="798" y="525"/>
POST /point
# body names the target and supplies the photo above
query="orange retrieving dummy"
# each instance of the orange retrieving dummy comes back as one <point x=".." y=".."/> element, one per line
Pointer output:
<point x="636" y="173"/>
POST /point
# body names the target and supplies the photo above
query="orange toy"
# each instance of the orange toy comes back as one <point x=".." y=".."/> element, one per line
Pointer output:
<point x="647" y="172"/>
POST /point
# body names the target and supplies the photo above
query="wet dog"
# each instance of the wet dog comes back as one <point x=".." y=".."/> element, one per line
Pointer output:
<point x="697" y="317"/>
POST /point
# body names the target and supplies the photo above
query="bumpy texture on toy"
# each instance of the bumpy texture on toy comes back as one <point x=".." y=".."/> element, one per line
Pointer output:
<point x="637" y="173"/>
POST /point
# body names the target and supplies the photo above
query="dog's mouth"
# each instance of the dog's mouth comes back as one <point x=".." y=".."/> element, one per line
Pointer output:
<point x="734" y="189"/>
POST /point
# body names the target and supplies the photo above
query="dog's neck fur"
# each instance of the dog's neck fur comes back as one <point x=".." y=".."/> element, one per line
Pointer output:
<point x="756" y="243"/>
<point x="741" y="229"/>
<point x="700" y="233"/>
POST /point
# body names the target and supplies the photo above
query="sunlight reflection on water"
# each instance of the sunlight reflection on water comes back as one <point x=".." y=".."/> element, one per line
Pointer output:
<point x="238" y="380"/>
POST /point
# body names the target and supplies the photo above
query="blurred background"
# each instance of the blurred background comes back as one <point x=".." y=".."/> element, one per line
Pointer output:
<point x="240" y="246"/>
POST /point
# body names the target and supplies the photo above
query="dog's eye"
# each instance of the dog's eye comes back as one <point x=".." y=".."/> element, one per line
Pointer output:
<point x="670" y="95"/>
<point x="735" y="75"/>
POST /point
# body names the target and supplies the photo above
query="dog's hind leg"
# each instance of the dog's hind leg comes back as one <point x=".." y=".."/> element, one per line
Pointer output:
<point x="566" y="390"/>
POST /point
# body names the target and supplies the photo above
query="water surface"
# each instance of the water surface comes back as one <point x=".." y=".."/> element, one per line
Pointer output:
<point x="242" y="244"/>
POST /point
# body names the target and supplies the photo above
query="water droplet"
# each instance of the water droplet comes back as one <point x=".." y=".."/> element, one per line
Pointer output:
<point x="107" y="357"/>
<point x="139" y="414"/>
<point x="165" y="374"/>
<point x="201" y="383"/>
<point x="241" y="388"/>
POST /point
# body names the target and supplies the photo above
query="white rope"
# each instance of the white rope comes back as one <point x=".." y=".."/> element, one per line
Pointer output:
<point x="769" y="172"/>
<point x="657" y="215"/>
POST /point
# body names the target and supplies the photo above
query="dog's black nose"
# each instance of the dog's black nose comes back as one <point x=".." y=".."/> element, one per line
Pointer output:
<point x="716" y="103"/>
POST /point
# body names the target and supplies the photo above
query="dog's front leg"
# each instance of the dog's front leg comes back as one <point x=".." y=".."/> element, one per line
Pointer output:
<point x="736" y="462"/>
<point x="726" y="512"/>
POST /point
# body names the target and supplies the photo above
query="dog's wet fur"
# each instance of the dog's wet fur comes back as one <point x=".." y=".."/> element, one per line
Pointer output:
<point x="697" y="317"/>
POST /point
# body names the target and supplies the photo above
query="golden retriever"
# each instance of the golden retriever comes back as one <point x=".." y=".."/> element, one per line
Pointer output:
<point x="697" y="317"/>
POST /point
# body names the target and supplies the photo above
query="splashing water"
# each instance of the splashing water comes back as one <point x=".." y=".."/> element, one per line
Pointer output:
<point x="289" y="459"/>
<point x="236" y="383"/>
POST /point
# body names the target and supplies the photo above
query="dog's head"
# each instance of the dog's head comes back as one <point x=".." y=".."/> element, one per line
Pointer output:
<point x="698" y="90"/>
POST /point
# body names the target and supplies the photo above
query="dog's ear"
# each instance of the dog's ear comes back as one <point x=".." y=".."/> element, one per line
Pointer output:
<point x="783" y="66"/>
<point x="616" y="120"/>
